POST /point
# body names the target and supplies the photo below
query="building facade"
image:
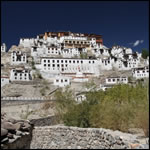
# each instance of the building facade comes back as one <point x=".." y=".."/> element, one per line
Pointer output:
<point x="20" y="74"/>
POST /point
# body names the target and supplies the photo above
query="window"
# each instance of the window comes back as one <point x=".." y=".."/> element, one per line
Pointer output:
<point x="143" y="71"/>
<point x="65" y="80"/>
<point x="69" y="41"/>
<point x="48" y="61"/>
<point x="89" y="62"/>
<point x="57" y="80"/>
<point x="69" y="61"/>
<point x="53" y="61"/>
<point x="44" y="60"/>
<point x="113" y="80"/>
<point x="25" y="74"/>
<point x="57" y="61"/>
<point x="65" y="61"/>
<point x="15" y="74"/>
<point x="15" y="78"/>
<point x="61" y="61"/>
<point x="48" y="65"/>
<point x="61" y="80"/>
<point x="53" y="65"/>
<point x="81" y="62"/>
<point x="118" y="79"/>
<point x="58" y="65"/>
<point x="93" y="62"/>
<point x="77" y="42"/>
<point x="109" y="80"/>
<point x="74" y="61"/>
<point x="23" y="58"/>
<point x="77" y="61"/>
<point x="44" y="65"/>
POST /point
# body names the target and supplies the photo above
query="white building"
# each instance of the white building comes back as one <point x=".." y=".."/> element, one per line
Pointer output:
<point x="4" y="80"/>
<point x="116" y="80"/>
<point x="106" y="63"/>
<point x="104" y="87"/>
<point x="80" y="97"/>
<point x="142" y="72"/>
<point x="17" y="58"/>
<point x="61" y="81"/>
<point x="20" y="74"/>
<point x="70" y="66"/>
<point x="27" y="42"/>
<point x="80" y="77"/>
<point x="3" y="47"/>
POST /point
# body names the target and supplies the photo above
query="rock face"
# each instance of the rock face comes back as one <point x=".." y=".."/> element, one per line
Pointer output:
<point x="15" y="134"/>
<point x="62" y="137"/>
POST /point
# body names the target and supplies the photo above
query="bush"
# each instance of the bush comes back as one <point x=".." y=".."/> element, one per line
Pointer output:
<point x="145" y="53"/>
<point x="118" y="108"/>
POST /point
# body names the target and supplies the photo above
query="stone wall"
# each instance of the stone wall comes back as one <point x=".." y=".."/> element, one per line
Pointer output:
<point x="21" y="102"/>
<point x="62" y="137"/>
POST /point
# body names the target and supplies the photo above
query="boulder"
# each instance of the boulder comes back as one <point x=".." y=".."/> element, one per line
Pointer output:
<point x="4" y="132"/>
<point x="7" y="125"/>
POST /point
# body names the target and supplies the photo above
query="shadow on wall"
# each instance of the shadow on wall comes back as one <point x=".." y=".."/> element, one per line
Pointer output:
<point x="47" y="121"/>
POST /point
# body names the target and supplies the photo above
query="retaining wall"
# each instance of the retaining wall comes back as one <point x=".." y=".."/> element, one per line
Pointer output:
<point x="62" y="137"/>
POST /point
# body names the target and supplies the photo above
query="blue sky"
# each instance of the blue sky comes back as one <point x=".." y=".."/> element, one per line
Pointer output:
<point x="119" y="22"/>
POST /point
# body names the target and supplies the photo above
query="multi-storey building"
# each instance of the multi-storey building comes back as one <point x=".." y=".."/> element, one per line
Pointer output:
<point x="141" y="72"/>
<point x="17" y="58"/>
<point x="70" y="66"/>
<point x="20" y="74"/>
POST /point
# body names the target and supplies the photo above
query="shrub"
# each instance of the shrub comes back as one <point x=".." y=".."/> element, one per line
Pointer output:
<point x="118" y="108"/>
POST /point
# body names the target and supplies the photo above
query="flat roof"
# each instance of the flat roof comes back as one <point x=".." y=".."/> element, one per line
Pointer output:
<point x="65" y="58"/>
<point x="117" y="77"/>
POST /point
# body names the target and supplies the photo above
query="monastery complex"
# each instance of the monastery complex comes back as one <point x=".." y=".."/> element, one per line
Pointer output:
<point x="65" y="58"/>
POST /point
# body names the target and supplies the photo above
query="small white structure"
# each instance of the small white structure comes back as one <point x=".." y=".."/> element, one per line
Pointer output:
<point x="20" y="74"/>
<point x="104" y="87"/>
<point x="17" y="57"/>
<point x="4" y="80"/>
<point x="116" y="80"/>
<point x="3" y="48"/>
<point x="80" y="97"/>
<point x="142" y="72"/>
<point x="80" y="77"/>
<point x="61" y="81"/>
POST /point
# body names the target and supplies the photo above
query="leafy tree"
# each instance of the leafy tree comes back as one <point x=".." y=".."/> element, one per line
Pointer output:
<point x="145" y="53"/>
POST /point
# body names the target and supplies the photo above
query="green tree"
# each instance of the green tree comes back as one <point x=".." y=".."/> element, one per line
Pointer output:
<point x="145" y="53"/>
